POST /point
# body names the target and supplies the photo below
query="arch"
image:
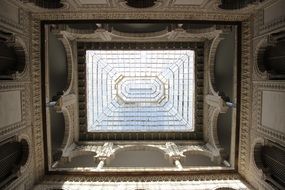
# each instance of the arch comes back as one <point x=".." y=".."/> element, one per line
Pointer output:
<point x="258" y="58"/>
<point x="224" y="131"/>
<point x="68" y="129"/>
<point x="77" y="153"/>
<point x="26" y="157"/>
<point x="200" y="151"/>
<point x="59" y="75"/>
<point x="140" y="3"/>
<point x="48" y="4"/>
<point x="273" y="60"/>
<point x="13" y="158"/>
<point x="82" y="160"/>
<point x="138" y="147"/>
<point x="236" y="4"/>
<point x="151" y="156"/>
<point x="256" y="164"/>
<point x="213" y="126"/>
<point x="269" y="57"/>
<point x="13" y="57"/>
<point x="211" y="63"/>
<point x="70" y="66"/>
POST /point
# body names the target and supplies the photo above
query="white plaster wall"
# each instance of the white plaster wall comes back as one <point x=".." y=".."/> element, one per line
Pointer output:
<point x="9" y="11"/>
<point x="273" y="110"/>
<point x="274" y="11"/>
<point x="10" y="108"/>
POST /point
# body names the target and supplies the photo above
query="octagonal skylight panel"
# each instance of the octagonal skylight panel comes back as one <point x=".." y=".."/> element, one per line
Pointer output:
<point x="140" y="90"/>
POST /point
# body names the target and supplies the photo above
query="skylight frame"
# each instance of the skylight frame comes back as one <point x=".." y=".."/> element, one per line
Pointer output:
<point x="197" y="134"/>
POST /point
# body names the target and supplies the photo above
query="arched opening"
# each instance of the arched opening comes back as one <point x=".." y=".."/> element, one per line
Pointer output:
<point x="12" y="58"/>
<point x="224" y="76"/>
<point x="13" y="155"/>
<point x="58" y="68"/>
<point x="271" y="160"/>
<point x="48" y="4"/>
<point x="236" y="4"/>
<point x="140" y="3"/>
<point x="139" y="27"/>
<point x="260" y="59"/>
<point x="273" y="60"/>
<point x="224" y="131"/>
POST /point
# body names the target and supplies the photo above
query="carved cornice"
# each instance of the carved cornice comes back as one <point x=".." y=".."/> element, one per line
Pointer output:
<point x="245" y="99"/>
<point x="139" y="15"/>
<point x="200" y="177"/>
<point x="37" y="124"/>
<point x="183" y="184"/>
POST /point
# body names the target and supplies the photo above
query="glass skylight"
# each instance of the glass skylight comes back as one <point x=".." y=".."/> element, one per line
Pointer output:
<point x="140" y="90"/>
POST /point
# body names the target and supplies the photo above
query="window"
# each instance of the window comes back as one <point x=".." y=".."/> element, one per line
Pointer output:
<point x="140" y="90"/>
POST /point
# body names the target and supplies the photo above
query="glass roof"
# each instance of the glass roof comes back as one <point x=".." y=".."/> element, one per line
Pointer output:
<point x="140" y="90"/>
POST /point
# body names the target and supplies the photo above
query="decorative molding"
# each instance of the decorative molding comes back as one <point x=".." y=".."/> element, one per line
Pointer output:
<point x="231" y="184"/>
<point x="139" y="15"/>
<point x="104" y="35"/>
<point x="245" y="98"/>
<point x="104" y="153"/>
<point x="37" y="125"/>
<point x="260" y="28"/>
<point x="259" y="87"/>
<point x="200" y="177"/>
<point x="23" y="87"/>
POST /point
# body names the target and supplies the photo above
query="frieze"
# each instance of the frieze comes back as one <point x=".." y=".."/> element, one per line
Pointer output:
<point x="118" y="178"/>
<point x="139" y="15"/>
<point x="37" y="124"/>
<point x="245" y="100"/>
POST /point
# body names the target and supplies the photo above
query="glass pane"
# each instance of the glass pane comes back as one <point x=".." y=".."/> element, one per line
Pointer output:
<point x="139" y="91"/>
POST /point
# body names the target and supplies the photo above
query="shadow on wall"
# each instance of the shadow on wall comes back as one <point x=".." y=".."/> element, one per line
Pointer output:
<point x="57" y="84"/>
<point x="81" y="161"/>
<point x="197" y="160"/>
<point x="139" y="158"/>
<point x="224" y="79"/>
<point x="57" y="132"/>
